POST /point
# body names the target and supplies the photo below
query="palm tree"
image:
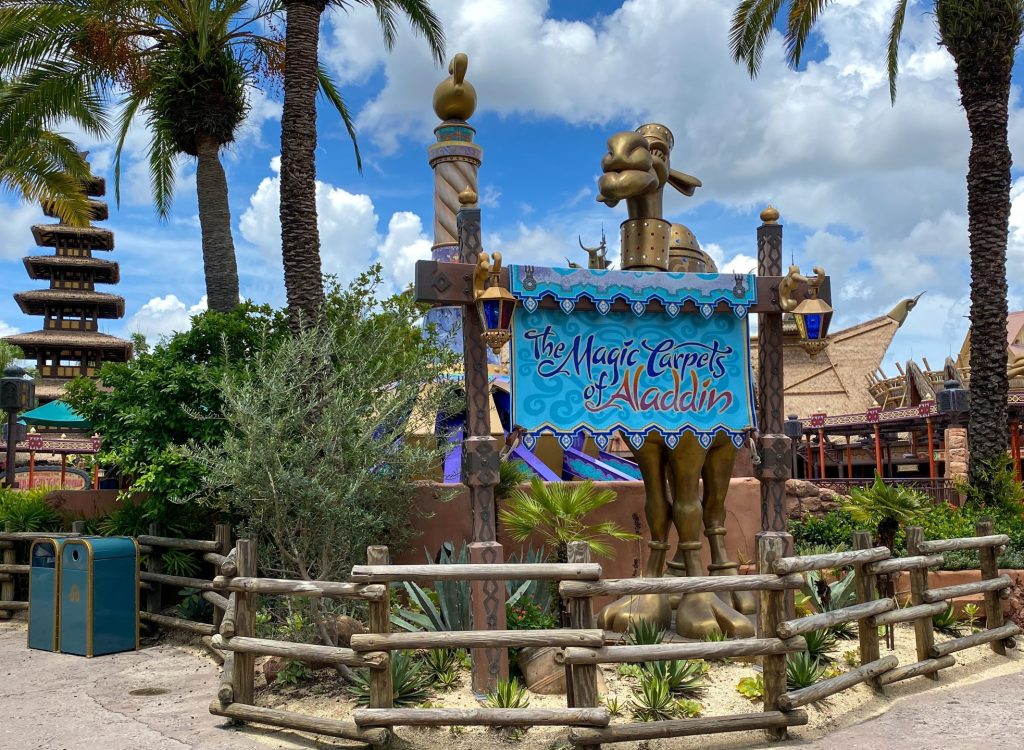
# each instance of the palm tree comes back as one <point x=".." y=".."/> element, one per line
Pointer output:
<point x="557" y="511"/>
<point x="982" y="36"/>
<point x="300" y="238"/>
<point x="187" y="66"/>
<point x="41" y="165"/>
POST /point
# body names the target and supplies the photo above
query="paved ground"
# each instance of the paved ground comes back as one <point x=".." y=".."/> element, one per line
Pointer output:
<point x="59" y="702"/>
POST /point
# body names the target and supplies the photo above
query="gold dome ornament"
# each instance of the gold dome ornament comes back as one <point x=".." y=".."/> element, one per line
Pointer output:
<point x="455" y="97"/>
<point x="468" y="197"/>
<point x="770" y="215"/>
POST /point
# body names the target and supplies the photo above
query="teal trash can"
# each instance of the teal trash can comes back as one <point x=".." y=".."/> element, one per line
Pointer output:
<point x="44" y="593"/>
<point x="99" y="600"/>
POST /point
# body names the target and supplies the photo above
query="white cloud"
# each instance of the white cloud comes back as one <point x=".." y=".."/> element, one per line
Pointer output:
<point x="164" y="316"/>
<point x="7" y="330"/>
<point x="16" y="239"/>
<point x="349" y="237"/>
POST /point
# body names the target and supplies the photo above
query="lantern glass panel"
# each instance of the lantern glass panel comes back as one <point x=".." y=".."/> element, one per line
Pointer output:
<point x="812" y="323"/>
<point x="490" y="314"/>
<point x="508" y="306"/>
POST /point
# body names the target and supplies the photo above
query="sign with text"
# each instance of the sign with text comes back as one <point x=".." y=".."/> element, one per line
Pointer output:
<point x="598" y="374"/>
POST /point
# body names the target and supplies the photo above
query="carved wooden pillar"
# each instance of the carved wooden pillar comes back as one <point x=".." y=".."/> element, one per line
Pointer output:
<point x="775" y="447"/>
<point x="480" y="458"/>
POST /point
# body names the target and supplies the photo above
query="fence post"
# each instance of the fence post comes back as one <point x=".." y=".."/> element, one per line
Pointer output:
<point x="770" y="547"/>
<point x="867" y="590"/>
<point x="78" y="527"/>
<point x="7" y="585"/>
<point x="990" y="569"/>
<point x="243" y="670"/>
<point x="154" y="598"/>
<point x="923" y="634"/>
<point x="382" y="690"/>
<point x="223" y="537"/>
<point x="583" y="684"/>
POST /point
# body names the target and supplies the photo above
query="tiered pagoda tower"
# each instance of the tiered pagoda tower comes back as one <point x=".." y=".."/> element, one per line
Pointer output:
<point x="70" y="343"/>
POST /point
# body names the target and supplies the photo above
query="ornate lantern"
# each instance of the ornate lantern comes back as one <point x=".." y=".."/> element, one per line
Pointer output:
<point x="793" y="427"/>
<point x="494" y="303"/>
<point x="953" y="399"/>
<point x="812" y="318"/>
<point x="17" y="390"/>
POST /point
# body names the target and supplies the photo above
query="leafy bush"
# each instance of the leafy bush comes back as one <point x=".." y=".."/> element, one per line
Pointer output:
<point x="27" y="510"/>
<point x="444" y="608"/>
<point x="315" y="455"/>
<point x="409" y="676"/>
<point x="886" y="507"/>
<point x="193" y="606"/>
<point x="633" y="671"/>
<point x="688" y="708"/>
<point x="508" y="694"/>
<point x="834" y="530"/>
<point x="447" y="681"/>
<point x="293" y="674"/>
<point x="994" y="486"/>
<point x="440" y="660"/>
<point x="526" y="615"/>
<point x="539" y="592"/>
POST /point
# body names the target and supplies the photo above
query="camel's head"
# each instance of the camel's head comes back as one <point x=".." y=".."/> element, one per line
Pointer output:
<point x="637" y="164"/>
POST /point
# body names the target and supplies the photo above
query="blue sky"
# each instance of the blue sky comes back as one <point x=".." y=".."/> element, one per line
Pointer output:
<point x="873" y="193"/>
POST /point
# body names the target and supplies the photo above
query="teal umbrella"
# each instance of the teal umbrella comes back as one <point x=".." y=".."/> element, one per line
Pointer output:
<point x="56" y="414"/>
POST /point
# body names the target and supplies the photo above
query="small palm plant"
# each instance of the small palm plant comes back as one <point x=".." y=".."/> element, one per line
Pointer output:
<point x="557" y="511"/>
<point x="888" y="507"/>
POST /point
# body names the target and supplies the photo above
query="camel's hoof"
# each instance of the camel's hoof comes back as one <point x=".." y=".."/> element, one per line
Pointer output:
<point x="653" y="608"/>
<point x="699" y="615"/>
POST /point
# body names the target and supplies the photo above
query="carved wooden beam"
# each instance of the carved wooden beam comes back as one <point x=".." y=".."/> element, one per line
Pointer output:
<point x="452" y="284"/>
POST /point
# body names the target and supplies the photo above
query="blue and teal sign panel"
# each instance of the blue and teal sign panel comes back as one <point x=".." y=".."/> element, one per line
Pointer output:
<point x="99" y="596"/>
<point x="44" y="594"/>
<point x="674" y="358"/>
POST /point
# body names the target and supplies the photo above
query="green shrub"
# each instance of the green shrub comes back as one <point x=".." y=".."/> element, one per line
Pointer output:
<point x="833" y="530"/>
<point x="751" y="687"/>
<point x="644" y="633"/>
<point x="994" y="486"/>
<point x="27" y="510"/>
<point x="293" y="674"/>
<point x="819" y="643"/>
<point x="526" y="615"/>
<point x="947" y="623"/>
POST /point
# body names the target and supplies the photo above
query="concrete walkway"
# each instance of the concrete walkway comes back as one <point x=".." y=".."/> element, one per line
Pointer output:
<point x="62" y="702"/>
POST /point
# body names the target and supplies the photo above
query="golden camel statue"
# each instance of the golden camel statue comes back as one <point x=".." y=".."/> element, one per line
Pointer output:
<point x="636" y="169"/>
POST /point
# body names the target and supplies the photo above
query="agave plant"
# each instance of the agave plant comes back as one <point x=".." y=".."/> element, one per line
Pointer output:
<point x="409" y="676"/>
<point x="508" y="694"/>
<point x="653" y="701"/>
<point x="802" y="670"/>
<point x="947" y="622"/>
<point x="684" y="677"/>
<point x="440" y="660"/>
<point x="644" y="633"/>
<point x="819" y="643"/>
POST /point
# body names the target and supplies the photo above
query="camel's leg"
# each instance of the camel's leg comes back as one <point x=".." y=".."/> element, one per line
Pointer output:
<point x="654" y="608"/>
<point x="698" y="614"/>
<point x="716" y="474"/>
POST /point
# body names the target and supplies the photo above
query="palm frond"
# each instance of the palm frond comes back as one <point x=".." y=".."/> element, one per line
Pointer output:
<point x="330" y="91"/>
<point x="752" y="24"/>
<point x="893" y="47"/>
<point x="803" y="14"/>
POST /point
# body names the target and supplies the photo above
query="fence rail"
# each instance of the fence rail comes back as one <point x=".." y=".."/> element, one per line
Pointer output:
<point x="583" y="647"/>
<point x="939" y="490"/>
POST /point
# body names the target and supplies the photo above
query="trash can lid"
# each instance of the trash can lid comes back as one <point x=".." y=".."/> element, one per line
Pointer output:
<point x="106" y="547"/>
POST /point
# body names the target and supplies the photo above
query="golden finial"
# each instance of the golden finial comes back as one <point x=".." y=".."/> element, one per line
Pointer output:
<point x="468" y="197"/>
<point x="455" y="97"/>
<point x="770" y="215"/>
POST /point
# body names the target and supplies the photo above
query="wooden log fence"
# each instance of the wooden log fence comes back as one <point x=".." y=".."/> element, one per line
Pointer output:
<point x="151" y="579"/>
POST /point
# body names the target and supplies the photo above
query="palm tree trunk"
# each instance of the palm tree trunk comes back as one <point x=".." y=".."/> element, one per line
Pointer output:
<point x="219" y="263"/>
<point x="300" y="239"/>
<point x="982" y="46"/>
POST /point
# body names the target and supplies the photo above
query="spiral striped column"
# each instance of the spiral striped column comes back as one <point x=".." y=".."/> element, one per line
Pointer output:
<point x="455" y="160"/>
